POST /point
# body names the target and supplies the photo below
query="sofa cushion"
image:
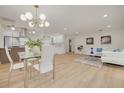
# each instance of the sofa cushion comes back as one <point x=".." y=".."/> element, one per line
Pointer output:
<point x="113" y="54"/>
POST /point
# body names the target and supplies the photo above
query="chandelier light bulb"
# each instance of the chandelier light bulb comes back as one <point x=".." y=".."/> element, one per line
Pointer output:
<point x="33" y="32"/>
<point x="28" y="15"/>
<point x="47" y="24"/>
<point x="22" y="17"/>
<point x="31" y="24"/>
<point x="41" y="25"/>
<point x="105" y="15"/>
<point x="42" y="17"/>
<point x="108" y="26"/>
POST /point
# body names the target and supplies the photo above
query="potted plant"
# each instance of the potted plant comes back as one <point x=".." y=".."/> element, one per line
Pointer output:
<point x="34" y="45"/>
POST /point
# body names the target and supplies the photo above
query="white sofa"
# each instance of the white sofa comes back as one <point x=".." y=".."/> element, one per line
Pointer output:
<point x="113" y="57"/>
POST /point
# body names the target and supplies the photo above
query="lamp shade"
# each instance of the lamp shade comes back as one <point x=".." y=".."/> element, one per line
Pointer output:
<point x="31" y="24"/>
<point x="23" y="17"/>
<point x="41" y="25"/>
<point x="42" y="17"/>
<point x="47" y="24"/>
<point x="28" y="15"/>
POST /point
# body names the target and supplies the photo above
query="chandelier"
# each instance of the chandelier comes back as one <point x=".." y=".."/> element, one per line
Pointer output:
<point x="38" y="20"/>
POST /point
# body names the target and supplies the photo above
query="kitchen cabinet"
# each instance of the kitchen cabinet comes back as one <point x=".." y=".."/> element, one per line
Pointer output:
<point x="13" y="53"/>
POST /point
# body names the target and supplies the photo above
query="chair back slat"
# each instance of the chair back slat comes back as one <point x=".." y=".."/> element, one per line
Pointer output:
<point x="8" y="55"/>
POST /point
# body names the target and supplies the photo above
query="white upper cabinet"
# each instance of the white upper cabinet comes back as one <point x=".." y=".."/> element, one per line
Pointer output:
<point x="11" y="33"/>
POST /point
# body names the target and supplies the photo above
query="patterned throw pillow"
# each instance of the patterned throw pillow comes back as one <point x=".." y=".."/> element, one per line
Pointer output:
<point x="99" y="50"/>
<point x="117" y="50"/>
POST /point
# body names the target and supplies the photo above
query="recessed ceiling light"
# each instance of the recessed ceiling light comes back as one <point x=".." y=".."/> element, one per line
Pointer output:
<point x="105" y="15"/>
<point x="108" y="26"/>
<point x="33" y="32"/>
<point x="65" y="28"/>
<point x="76" y="32"/>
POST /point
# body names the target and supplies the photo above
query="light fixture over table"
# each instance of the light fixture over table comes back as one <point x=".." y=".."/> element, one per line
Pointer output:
<point x="35" y="21"/>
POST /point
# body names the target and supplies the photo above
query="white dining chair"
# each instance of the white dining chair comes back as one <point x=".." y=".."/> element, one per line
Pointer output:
<point x="35" y="63"/>
<point x="13" y="66"/>
<point x="48" y="59"/>
<point x="35" y="67"/>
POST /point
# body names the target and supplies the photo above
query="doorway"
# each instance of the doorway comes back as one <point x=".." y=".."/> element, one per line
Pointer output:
<point x="70" y="45"/>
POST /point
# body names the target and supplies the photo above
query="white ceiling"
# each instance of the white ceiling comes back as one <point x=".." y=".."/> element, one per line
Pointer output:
<point x="76" y="18"/>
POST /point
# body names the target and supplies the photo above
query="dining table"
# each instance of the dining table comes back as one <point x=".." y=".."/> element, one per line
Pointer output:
<point x="25" y="56"/>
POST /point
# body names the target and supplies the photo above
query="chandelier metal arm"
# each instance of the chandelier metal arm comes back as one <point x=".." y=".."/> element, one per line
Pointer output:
<point x="36" y="6"/>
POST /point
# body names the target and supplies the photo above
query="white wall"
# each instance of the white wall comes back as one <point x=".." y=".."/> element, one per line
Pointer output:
<point x="116" y="36"/>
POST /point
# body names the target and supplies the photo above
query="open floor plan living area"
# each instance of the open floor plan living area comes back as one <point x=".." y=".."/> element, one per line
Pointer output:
<point x="61" y="46"/>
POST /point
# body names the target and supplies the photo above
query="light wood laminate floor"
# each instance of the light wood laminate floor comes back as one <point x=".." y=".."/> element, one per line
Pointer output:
<point x="68" y="74"/>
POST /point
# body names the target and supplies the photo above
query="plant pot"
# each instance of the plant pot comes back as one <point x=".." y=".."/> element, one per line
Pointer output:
<point x="35" y="50"/>
<point x="27" y="49"/>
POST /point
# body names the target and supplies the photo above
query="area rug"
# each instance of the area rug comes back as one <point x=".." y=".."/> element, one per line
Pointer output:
<point x="93" y="61"/>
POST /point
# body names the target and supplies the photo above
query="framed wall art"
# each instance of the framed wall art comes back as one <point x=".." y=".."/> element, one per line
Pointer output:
<point x="106" y="39"/>
<point x="90" y="41"/>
